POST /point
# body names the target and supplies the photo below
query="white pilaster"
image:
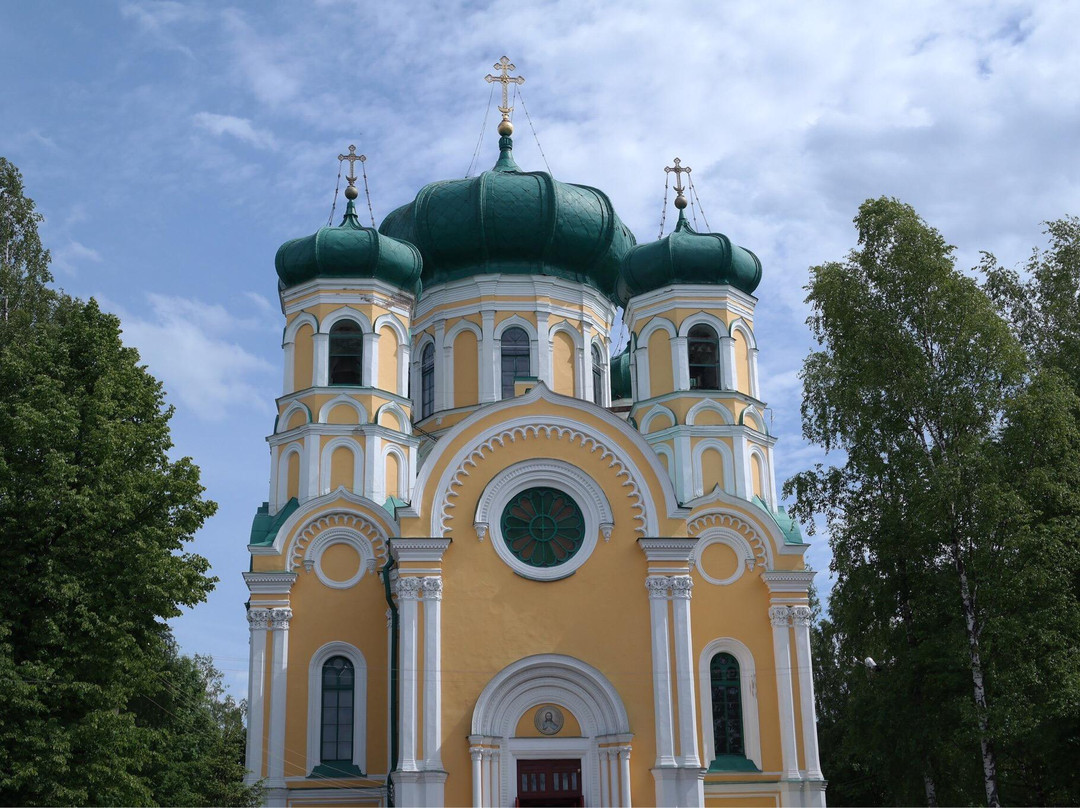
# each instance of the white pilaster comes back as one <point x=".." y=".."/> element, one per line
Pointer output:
<point x="542" y="356"/>
<point x="431" y="590"/>
<point x="680" y="363"/>
<point x="624" y="777"/>
<point x="684" y="671"/>
<point x="404" y="363"/>
<point x="800" y="618"/>
<point x="408" y="591"/>
<point x="441" y="382"/>
<point x="275" y="768"/>
<point x="743" y="487"/>
<point x="755" y="391"/>
<point x="727" y="363"/>
<point x="489" y="361"/>
<point x="658" y="586"/>
<point x="290" y="368"/>
<point x="605" y="777"/>
<point x="320" y="370"/>
<point x="477" y="754"/>
<point x="369" y="362"/>
<point x="309" y="469"/>
<point x="780" y="617"/>
<point x="258" y="623"/>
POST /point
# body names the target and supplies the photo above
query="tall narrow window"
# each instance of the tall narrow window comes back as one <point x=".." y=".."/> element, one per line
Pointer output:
<point x="703" y="349"/>
<point x="515" y="358"/>
<point x="346" y="352"/>
<point x="338" y="692"/>
<point x="427" y="381"/>
<point x="726" y="705"/>
<point x="597" y="376"/>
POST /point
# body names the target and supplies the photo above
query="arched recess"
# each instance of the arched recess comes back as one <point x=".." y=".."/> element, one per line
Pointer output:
<point x="659" y="411"/>
<point x="299" y="352"/>
<point x="324" y="410"/>
<point x="394" y="456"/>
<point x="282" y="422"/>
<point x="345" y="313"/>
<point x="314" y="711"/>
<point x="759" y="474"/>
<point x="727" y="458"/>
<point x="709" y="405"/>
<point x="290" y="473"/>
<point x="400" y="354"/>
<point x="391" y="410"/>
<point x="748" y="687"/>
<point x="462" y="368"/>
<point x="550" y="679"/>
<point x="516" y="320"/>
<point x="565" y="344"/>
<point x="326" y="464"/>
<point x="752" y="417"/>
<point x="649" y="364"/>
<point x="712" y="320"/>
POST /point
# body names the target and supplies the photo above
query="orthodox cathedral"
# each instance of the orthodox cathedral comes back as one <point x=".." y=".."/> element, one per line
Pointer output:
<point x="498" y="565"/>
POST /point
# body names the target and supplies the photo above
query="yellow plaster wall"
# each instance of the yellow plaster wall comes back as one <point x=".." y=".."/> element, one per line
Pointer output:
<point x="303" y="357"/>
<point x="659" y="422"/>
<point x="342" y="414"/>
<point x="742" y="363"/>
<point x="298" y="418"/>
<point x="661" y="378"/>
<point x="341" y="468"/>
<point x="562" y="363"/>
<point x="466" y="369"/>
<point x="712" y="470"/>
<point x="292" y="478"/>
<point x="708" y="418"/>
<point x="388" y="360"/>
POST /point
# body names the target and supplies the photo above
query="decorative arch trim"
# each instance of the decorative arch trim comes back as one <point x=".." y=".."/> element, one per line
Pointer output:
<point x="655" y="412"/>
<point x="655" y="324"/>
<point x="281" y="422"/>
<point x="337" y="503"/>
<point x="395" y="409"/>
<point x="324" y="410"/>
<point x="703" y="317"/>
<point x="748" y="688"/>
<point x="743" y="328"/>
<point x="728" y="459"/>
<point x="395" y="324"/>
<point x="343" y="524"/>
<point x="327" y="459"/>
<point x="564" y="326"/>
<point x="462" y="325"/>
<point x="709" y="404"/>
<point x="515" y="320"/>
<point x="306" y="318"/>
<point x="345" y="313"/>
<point x="314" y="712"/>
<point x="718" y="522"/>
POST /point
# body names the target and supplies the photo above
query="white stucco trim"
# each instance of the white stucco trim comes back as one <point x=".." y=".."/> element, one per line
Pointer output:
<point x="326" y="464"/>
<point x="309" y="513"/>
<point x="711" y="405"/>
<point x="656" y="411"/>
<point x="703" y="317"/>
<point x="558" y="474"/>
<point x="314" y="711"/>
<point x="288" y="336"/>
<point x="282" y="481"/>
<point x="340" y="535"/>
<point x="743" y="327"/>
<point x="748" y="691"/>
<point x="281" y="424"/>
<point x="729" y="538"/>
<point x="324" y="410"/>
<point x="728" y="512"/>
<point x="404" y="475"/>
<point x="345" y="313"/>
<point x="395" y="409"/>
<point x="729" y="465"/>
<point x="764" y="480"/>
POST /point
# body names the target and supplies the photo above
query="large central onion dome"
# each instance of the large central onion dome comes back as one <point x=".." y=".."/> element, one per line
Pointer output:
<point x="511" y="221"/>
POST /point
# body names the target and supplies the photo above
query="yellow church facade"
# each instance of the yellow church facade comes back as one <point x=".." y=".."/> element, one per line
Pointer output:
<point x="498" y="566"/>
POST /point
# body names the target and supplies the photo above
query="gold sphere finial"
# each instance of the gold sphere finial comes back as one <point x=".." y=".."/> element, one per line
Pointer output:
<point x="351" y="192"/>
<point x="680" y="201"/>
<point x="506" y="128"/>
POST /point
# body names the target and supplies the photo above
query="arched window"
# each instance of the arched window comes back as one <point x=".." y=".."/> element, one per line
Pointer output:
<point x="338" y="692"/>
<point x="726" y="706"/>
<point x="597" y="376"/>
<point x="703" y="349"/>
<point x="515" y="358"/>
<point x="346" y="352"/>
<point x="427" y="381"/>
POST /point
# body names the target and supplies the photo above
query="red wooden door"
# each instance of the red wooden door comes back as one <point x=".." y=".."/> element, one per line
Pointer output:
<point x="549" y="783"/>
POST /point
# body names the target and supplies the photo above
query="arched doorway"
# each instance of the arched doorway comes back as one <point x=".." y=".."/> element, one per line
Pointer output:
<point x="547" y="690"/>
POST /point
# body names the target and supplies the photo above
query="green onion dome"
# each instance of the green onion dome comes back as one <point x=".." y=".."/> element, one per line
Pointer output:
<point x="685" y="256"/>
<point x="511" y="221"/>
<point x="620" y="376"/>
<point x="349" y="250"/>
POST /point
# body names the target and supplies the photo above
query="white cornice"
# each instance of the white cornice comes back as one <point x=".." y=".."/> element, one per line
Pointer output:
<point x="718" y="395"/>
<point x="340" y="291"/>
<point x="418" y="549"/>
<point x="339" y="389"/>
<point x="343" y="431"/>
<point x="489" y="288"/>
<point x="269" y="583"/>
<point x="691" y="296"/>
<point x="784" y="582"/>
<point x="679" y="550"/>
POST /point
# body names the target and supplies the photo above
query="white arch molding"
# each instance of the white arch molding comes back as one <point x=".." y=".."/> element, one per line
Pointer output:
<point x="711" y="405"/>
<point x="314" y="712"/>
<point x="345" y="313"/>
<point x="551" y="679"/>
<point x="744" y="553"/>
<point x="340" y="535"/>
<point x="327" y="459"/>
<point x="558" y="474"/>
<point x="283" y="472"/>
<point x="284" y="418"/>
<point x="748" y="693"/>
<point x="727" y="458"/>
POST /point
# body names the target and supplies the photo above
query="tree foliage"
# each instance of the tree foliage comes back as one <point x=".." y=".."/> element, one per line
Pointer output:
<point x="94" y="515"/>
<point x="952" y="523"/>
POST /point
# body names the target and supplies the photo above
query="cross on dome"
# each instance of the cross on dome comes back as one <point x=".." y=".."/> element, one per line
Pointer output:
<point x="352" y="157"/>
<point x="504" y="67"/>
<point x="678" y="170"/>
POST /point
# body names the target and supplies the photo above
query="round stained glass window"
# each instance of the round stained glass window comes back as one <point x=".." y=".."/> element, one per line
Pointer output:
<point x="543" y="527"/>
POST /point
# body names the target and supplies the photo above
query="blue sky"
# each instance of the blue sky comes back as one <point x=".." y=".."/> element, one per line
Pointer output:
<point x="172" y="146"/>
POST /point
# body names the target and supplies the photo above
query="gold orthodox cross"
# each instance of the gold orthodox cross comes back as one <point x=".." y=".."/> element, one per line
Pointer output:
<point x="678" y="170"/>
<point x="504" y="67"/>
<point x="352" y="157"/>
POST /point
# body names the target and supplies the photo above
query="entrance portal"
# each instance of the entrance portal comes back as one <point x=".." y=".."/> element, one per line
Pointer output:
<point x="549" y="783"/>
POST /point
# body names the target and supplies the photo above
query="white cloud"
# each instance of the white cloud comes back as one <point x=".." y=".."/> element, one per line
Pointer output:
<point x="239" y="128"/>
<point x="73" y="254"/>
<point x="191" y="347"/>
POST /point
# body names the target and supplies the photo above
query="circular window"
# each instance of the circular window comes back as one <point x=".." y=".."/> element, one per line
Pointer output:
<point x="543" y="527"/>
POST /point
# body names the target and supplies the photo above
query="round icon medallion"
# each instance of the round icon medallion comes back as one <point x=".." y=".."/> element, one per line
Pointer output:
<point x="548" y="720"/>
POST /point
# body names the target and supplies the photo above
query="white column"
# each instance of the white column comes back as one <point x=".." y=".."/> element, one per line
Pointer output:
<point x="320" y="369"/>
<point x="680" y="363"/>
<point x="580" y="387"/>
<point x="605" y="777"/>
<point x="642" y="382"/>
<point x="800" y="617"/>
<point x="290" y="368"/>
<point x="275" y="768"/>
<point x="727" y="363"/>
<point x="431" y="587"/>
<point x="744" y="488"/>
<point x="492" y="784"/>
<point x="658" y="586"/>
<point x="477" y="754"/>
<point x="404" y="363"/>
<point x="542" y="353"/>
<point x="309" y="468"/>
<point x="624" y="776"/>
<point x="408" y="590"/>
<point x="485" y="776"/>
<point x="441" y="382"/>
<point x="369" y="364"/>
<point x="755" y="391"/>
<point x="780" y="617"/>
<point x="258" y="622"/>
<point x="587" y="370"/>
<point x="489" y="361"/>
<point x="684" y="671"/>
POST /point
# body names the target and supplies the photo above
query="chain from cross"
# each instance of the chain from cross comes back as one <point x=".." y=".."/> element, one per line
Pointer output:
<point x="352" y="157"/>
<point x="504" y="67"/>
<point x="678" y="169"/>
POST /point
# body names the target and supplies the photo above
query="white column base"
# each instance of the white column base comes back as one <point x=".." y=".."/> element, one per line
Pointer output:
<point x="680" y="787"/>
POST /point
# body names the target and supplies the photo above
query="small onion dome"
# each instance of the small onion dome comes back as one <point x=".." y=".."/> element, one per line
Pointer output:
<point x="684" y="256"/>
<point x="349" y="250"/>
<point x="511" y="221"/>
<point x="620" y="376"/>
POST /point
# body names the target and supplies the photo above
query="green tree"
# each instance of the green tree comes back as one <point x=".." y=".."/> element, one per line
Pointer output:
<point x="945" y="555"/>
<point x="94" y="515"/>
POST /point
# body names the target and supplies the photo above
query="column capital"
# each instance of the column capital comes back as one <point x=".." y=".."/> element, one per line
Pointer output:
<point x="658" y="586"/>
<point x="408" y="588"/>
<point x="431" y="587"/>
<point x="779" y="616"/>
<point x="258" y="618"/>
<point x="279" y="619"/>
<point x="681" y="586"/>
<point x="801" y="615"/>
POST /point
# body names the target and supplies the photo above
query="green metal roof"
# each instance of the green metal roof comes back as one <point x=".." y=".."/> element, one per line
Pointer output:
<point x="511" y="221"/>
<point x="686" y="256"/>
<point x="788" y="526"/>
<point x="349" y="250"/>
<point x="264" y="527"/>
<point x="620" y="375"/>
